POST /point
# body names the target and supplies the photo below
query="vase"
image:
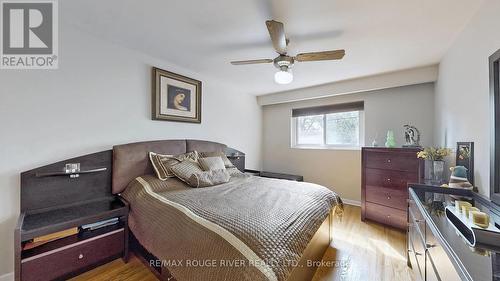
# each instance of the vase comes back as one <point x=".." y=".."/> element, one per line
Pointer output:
<point x="390" y="141"/>
<point x="437" y="170"/>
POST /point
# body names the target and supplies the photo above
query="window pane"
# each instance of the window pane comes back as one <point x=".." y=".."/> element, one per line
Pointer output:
<point x="342" y="128"/>
<point x="310" y="129"/>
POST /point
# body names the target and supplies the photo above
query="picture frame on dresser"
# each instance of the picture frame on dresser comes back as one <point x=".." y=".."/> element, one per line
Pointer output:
<point x="494" y="69"/>
<point x="465" y="157"/>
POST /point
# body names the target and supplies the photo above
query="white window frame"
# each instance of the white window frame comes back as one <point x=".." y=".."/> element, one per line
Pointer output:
<point x="294" y="135"/>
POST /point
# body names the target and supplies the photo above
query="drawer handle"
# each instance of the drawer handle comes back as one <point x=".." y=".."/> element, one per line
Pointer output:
<point x="388" y="160"/>
<point x="388" y="179"/>
<point x="388" y="197"/>
<point x="80" y="256"/>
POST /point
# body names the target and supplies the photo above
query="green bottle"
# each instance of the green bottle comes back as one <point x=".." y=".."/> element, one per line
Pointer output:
<point x="390" y="142"/>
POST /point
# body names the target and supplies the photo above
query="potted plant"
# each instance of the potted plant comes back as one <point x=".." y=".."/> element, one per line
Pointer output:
<point x="435" y="157"/>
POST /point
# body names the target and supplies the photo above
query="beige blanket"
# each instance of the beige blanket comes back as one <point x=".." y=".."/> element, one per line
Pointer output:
<point x="250" y="228"/>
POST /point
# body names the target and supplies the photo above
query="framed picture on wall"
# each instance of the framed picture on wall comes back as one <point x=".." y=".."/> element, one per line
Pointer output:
<point x="465" y="157"/>
<point x="175" y="97"/>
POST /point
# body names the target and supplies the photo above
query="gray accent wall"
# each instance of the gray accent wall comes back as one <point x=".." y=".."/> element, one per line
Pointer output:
<point x="338" y="169"/>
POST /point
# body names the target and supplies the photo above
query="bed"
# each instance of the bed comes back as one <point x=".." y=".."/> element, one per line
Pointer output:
<point x="250" y="228"/>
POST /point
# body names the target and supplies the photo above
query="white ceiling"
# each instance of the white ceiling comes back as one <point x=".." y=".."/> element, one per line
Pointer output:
<point x="204" y="35"/>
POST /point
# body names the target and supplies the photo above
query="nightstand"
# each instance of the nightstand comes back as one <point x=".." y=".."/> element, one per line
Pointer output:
<point x="54" y="199"/>
<point x="265" y="174"/>
<point x="69" y="256"/>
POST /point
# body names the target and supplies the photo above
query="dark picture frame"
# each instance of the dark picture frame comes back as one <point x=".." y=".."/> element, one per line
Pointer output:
<point x="175" y="97"/>
<point x="465" y="157"/>
<point x="494" y="68"/>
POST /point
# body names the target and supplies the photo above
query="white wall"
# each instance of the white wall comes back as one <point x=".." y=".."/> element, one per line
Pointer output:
<point x="462" y="91"/>
<point x="100" y="96"/>
<point x="340" y="170"/>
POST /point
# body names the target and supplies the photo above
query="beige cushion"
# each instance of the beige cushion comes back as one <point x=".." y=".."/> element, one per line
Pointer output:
<point x="209" y="178"/>
<point x="211" y="163"/>
<point x="185" y="169"/>
<point x="221" y="154"/>
<point x="162" y="163"/>
<point x="233" y="171"/>
<point x="192" y="174"/>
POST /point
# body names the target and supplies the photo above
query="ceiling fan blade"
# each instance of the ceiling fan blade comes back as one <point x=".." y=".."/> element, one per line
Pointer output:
<point x="242" y="62"/>
<point x="326" y="55"/>
<point x="277" y="33"/>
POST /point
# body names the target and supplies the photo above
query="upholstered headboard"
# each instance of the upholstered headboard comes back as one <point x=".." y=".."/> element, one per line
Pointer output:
<point x="132" y="160"/>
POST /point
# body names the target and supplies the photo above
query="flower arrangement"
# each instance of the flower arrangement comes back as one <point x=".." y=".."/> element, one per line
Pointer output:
<point x="434" y="153"/>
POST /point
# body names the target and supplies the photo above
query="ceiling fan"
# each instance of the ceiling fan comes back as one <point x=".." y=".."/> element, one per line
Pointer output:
<point x="283" y="61"/>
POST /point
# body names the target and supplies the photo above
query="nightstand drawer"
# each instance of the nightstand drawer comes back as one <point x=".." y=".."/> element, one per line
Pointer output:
<point x="73" y="257"/>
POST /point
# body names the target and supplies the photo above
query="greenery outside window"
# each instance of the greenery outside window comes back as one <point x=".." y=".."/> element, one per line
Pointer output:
<point x="332" y="126"/>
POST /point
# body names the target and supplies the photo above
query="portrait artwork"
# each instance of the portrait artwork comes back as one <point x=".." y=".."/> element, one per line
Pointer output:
<point x="176" y="97"/>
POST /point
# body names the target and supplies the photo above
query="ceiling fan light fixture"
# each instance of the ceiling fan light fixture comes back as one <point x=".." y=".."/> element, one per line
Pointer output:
<point x="283" y="76"/>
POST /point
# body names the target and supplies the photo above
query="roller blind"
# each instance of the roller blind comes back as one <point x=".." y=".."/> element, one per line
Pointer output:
<point x="326" y="109"/>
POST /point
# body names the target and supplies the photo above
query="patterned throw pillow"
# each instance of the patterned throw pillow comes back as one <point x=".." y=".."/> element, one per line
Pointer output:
<point x="162" y="163"/>
<point x="209" y="178"/>
<point x="185" y="169"/>
<point x="192" y="174"/>
<point x="211" y="163"/>
<point x="220" y="154"/>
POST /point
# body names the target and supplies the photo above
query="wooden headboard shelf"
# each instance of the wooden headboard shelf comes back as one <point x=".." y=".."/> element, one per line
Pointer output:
<point x="72" y="174"/>
<point x="43" y="189"/>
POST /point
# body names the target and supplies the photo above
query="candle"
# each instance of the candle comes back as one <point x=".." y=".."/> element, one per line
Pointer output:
<point x="459" y="204"/>
<point x="480" y="219"/>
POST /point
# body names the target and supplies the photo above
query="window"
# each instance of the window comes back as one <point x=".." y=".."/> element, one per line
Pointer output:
<point x="331" y="126"/>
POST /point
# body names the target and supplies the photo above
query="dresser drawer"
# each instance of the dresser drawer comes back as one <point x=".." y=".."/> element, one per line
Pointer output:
<point x="439" y="259"/>
<point x="386" y="215"/>
<point x="59" y="262"/>
<point x="392" y="161"/>
<point x="417" y="253"/>
<point x="415" y="211"/>
<point x="389" y="178"/>
<point x="389" y="197"/>
<point x="418" y="224"/>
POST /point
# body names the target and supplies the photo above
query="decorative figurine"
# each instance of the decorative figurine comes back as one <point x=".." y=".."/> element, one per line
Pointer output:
<point x="458" y="178"/>
<point x="390" y="142"/>
<point x="412" y="136"/>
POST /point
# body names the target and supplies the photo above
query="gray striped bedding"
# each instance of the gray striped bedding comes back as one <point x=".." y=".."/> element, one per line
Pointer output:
<point x="250" y="228"/>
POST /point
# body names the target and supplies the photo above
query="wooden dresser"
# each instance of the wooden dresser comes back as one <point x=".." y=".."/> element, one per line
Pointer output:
<point x="385" y="175"/>
<point x="436" y="250"/>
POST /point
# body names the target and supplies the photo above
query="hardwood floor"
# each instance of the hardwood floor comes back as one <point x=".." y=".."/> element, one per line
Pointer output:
<point x="364" y="251"/>
<point x="360" y="251"/>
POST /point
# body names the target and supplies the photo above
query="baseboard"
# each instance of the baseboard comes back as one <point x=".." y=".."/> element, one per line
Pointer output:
<point x="351" y="202"/>
<point x="7" y="277"/>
